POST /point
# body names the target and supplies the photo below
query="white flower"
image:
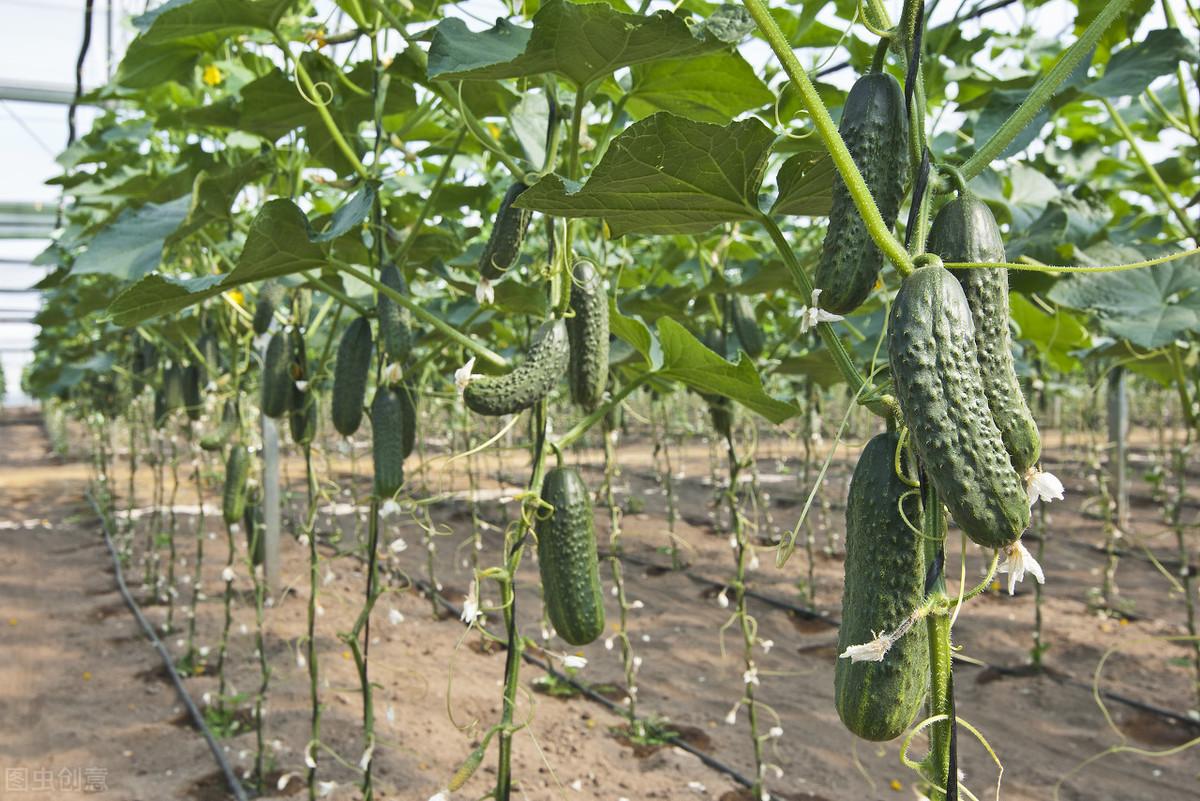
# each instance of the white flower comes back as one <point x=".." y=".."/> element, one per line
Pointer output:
<point x="723" y="599"/>
<point x="637" y="605"/>
<point x="366" y="757"/>
<point x="750" y="676"/>
<point x="731" y="717"/>
<point x="767" y="645"/>
<point x="284" y="779"/>
<point x="440" y="795"/>
<point x="608" y="644"/>
<point x="329" y="577"/>
<point x="325" y="788"/>
<point x="872" y="651"/>
<point x="309" y="761"/>
<point x="776" y="731"/>
<point x="470" y="610"/>
<point x="390" y="714"/>
<point x="301" y="662"/>
<point x="1043" y="487"/>
<point x="398" y="545"/>
<point x="811" y="315"/>
<point x="574" y="661"/>
<point x="389" y="508"/>
<point x="395" y="617"/>
<point x="205" y="651"/>
<point x="462" y="376"/>
<point x="302" y="386"/>
<point x="1018" y="560"/>
<point x="393" y="373"/>
<point x="698" y="787"/>
<point x="227" y="575"/>
<point x="485" y="295"/>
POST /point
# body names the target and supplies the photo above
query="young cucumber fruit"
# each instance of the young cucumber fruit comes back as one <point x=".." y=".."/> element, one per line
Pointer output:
<point x="874" y="127"/>
<point x="391" y="423"/>
<point x="931" y="346"/>
<point x="567" y="559"/>
<point x="395" y="321"/>
<point x="215" y="440"/>
<point x="350" y="374"/>
<point x="965" y="231"/>
<point x="587" y="331"/>
<point x="269" y="297"/>
<point x="746" y="327"/>
<point x="303" y="413"/>
<point x="237" y="472"/>
<point x="277" y="375"/>
<point x="508" y="231"/>
<point x="884" y="583"/>
<point x="529" y="381"/>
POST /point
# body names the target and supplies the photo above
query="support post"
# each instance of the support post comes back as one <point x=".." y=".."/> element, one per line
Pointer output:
<point x="1118" y="436"/>
<point x="270" y="455"/>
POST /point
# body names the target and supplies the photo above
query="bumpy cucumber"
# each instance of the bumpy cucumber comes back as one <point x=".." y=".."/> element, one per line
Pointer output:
<point x="931" y="345"/>
<point x="567" y="559"/>
<point x="277" y="375"/>
<point x="215" y="440"/>
<point x="875" y="128"/>
<point x="504" y="244"/>
<point x="303" y="412"/>
<point x="884" y="583"/>
<point x="350" y="375"/>
<point x="237" y="472"/>
<point x="269" y="297"/>
<point x="746" y="327"/>
<point x="965" y="231"/>
<point x="193" y="398"/>
<point x="587" y="331"/>
<point x="210" y="350"/>
<point x="256" y="544"/>
<point x="395" y="321"/>
<point x="408" y="415"/>
<point x="388" y="439"/>
<point x="530" y="381"/>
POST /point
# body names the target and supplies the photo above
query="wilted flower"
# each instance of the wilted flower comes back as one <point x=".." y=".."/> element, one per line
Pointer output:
<point x="873" y="651"/>
<point x="574" y="661"/>
<point x="470" y="610"/>
<point x="1018" y="560"/>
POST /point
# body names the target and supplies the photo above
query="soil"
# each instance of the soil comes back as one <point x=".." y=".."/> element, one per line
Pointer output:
<point x="81" y="689"/>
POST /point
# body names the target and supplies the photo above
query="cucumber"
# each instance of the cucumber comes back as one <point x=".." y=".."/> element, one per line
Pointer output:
<point x="965" y="231"/>
<point x="587" y="332"/>
<point x="269" y="297"/>
<point x="931" y="346"/>
<point x="388" y="439"/>
<point x="395" y="321"/>
<point x="303" y="409"/>
<point x="237" y="472"/>
<point x="193" y="398"/>
<point x="161" y="412"/>
<point x="567" y="561"/>
<point x="256" y="545"/>
<point x="874" y="127"/>
<point x="407" y="397"/>
<point x="528" y="382"/>
<point x="216" y="439"/>
<point x="277" y="375"/>
<point x="884" y="582"/>
<point x="350" y="374"/>
<point x="720" y="410"/>
<point x="210" y="350"/>
<point x="508" y="231"/>
<point x="746" y="327"/>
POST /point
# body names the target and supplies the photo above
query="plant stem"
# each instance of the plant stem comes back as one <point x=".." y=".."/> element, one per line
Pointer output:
<point x="314" y="584"/>
<point x="611" y="469"/>
<point x="941" y="700"/>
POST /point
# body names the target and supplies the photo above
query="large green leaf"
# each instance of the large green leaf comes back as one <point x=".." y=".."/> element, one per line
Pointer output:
<point x="1054" y="335"/>
<point x="1134" y="68"/>
<point x="635" y="332"/>
<point x="581" y="42"/>
<point x="1149" y="307"/>
<point x="277" y="244"/>
<point x="132" y="245"/>
<point x="805" y="184"/>
<point x="712" y="88"/>
<point x="666" y="174"/>
<point x="183" y="21"/>
<point x="687" y="360"/>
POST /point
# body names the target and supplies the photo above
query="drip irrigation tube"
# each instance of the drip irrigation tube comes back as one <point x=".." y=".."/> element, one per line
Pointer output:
<point x="197" y="717"/>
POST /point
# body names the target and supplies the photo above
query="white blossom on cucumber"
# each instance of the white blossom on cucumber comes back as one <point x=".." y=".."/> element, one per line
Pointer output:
<point x="574" y="661"/>
<point x="873" y="651"/>
<point x="462" y="376"/>
<point x="1017" y="562"/>
<point x="470" y="609"/>
<point x="485" y="293"/>
<point x="393" y="373"/>
<point x="812" y="314"/>
<point x="1042" y="486"/>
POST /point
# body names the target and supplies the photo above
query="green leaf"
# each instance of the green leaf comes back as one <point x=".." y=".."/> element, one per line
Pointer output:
<point x="351" y="213"/>
<point x="713" y="88"/>
<point x="1054" y="336"/>
<point x="582" y="42"/>
<point x="666" y="175"/>
<point x="1149" y="307"/>
<point x="805" y="185"/>
<point x="815" y="365"/>
<point x="635" y="332"/>
<point x="277" y="244"/>
<point x="687" y="360"/>
<point x="184" y="21"/>
<point x="1000" y="106"/>
<point x="1134" y="68"/>
<point x="132" y="245"/>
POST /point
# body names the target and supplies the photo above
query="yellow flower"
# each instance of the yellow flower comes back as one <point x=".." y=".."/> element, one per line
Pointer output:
<point x="87" y="675"/>
<point x="318" y="36"/>
<point x="237" y="297"/>
<point x="896" y="785"/>
<point x="494" y="129"/>
<point x="212" y="75"/>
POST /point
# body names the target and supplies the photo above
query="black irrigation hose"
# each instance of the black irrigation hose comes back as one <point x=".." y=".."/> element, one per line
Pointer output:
<point x="231" y="779"/>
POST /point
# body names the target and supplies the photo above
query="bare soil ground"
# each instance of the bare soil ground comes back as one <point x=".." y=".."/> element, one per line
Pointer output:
<point x="80" y="687"/>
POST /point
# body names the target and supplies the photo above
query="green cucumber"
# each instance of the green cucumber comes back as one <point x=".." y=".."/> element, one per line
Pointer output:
<point x="746" y="327"/>
<point x="210" y="352"/>
<point x="277" y="375"/>
<point x="269" y="297"/>
<point x="508" y="231"/>
<point x="303" y="409"/>
<point x="388" y="422"/>
<point x="237" y="473"/>
<point x="587" y="331"/>
<point x="350" y="374"/>
<point x="567" y="560"/>
<point x="931" y="346"/>
<point x="216" y="439"/>
<point x="161" y="412"/>
<point x="256" y="545"/>
<point x="193" y="397"/>
<point x="874" y="127"/>
<point x="408" y="415"/>
<point x="965" y="231"/>
<point x="395" y="321"/>
<point x="884" y="583"/>
<point x="528" y="382"/>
